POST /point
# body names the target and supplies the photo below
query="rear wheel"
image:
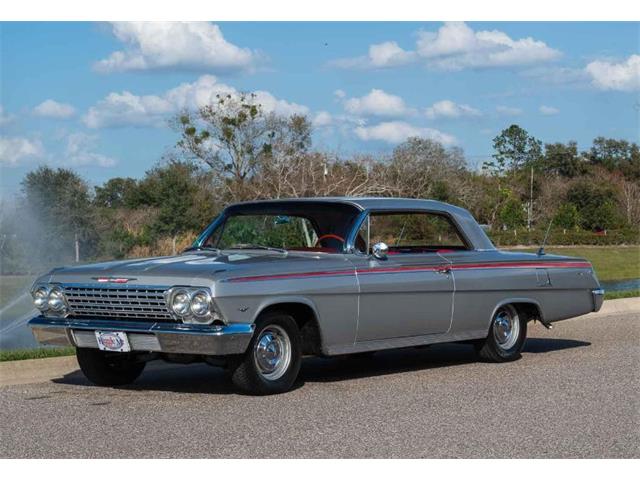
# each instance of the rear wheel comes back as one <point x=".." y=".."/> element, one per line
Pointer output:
<point x="272" y="361"/>
<point x="108" y="369"/>
<point x="506" y="336"/>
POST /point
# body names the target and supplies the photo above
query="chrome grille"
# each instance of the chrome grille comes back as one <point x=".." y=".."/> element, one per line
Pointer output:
<point x="117" y="302"/>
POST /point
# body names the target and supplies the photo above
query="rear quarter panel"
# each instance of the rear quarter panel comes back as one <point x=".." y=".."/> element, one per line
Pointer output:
<point x="559" y="292"/>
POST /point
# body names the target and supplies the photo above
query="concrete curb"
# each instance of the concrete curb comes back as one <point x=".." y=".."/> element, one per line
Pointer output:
<point x="21" y="372"/>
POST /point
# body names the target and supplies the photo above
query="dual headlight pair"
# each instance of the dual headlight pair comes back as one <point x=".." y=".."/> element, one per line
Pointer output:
<point x="49" y="298"/>
<point x="192" y="305"/>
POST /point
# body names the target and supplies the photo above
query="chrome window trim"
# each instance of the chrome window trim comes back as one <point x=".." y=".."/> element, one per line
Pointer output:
<point x="350" y="248"/>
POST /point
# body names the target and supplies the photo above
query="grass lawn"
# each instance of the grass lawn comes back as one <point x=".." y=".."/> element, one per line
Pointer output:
<point x="610" y="263"/>
<point x="621" y="294"/>
<point x="29" y="353"/>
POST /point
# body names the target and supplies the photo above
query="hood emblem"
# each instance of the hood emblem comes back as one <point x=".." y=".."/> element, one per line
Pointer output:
<point x="112" y="279"/>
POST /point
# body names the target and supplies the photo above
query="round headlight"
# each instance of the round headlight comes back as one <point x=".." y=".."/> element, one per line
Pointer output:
<point x="41" y="298"/>
<point x="56" y="299"/>
<point x="200" y="304"/>
<point x="180" y="302"/>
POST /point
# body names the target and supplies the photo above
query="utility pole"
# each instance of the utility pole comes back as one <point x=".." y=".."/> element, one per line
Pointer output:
<point x="77" y="245"/>
<point x="530" y="212"/>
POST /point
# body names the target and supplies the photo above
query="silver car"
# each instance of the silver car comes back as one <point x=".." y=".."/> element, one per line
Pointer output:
<point x="269" y="282"/>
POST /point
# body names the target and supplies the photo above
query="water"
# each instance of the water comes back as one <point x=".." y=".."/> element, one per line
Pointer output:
<point x="621" y="285"/>
<point x="14" y="332"/>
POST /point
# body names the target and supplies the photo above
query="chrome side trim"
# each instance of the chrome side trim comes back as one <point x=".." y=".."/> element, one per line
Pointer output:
<point x="169" y="338"/>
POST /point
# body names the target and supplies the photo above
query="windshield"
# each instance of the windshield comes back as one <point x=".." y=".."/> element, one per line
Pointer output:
<point x="310" y="226"/>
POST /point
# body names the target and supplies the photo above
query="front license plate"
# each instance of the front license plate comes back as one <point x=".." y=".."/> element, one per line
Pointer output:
<point x="113" y="341"/>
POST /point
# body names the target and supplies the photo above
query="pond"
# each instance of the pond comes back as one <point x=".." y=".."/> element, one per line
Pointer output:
<point x="621" y="285"/>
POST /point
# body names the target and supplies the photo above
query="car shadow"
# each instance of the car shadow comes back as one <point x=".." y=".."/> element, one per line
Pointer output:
<point x="201" y="378"/>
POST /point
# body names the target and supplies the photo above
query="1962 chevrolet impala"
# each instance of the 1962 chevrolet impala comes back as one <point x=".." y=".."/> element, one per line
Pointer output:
<point x="268" y="282"/>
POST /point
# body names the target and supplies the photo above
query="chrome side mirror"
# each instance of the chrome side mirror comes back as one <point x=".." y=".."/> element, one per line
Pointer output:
<point x="380" y="250"/>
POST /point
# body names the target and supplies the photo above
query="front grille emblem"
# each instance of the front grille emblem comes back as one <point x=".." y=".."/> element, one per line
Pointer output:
<point x="112" y="279"/>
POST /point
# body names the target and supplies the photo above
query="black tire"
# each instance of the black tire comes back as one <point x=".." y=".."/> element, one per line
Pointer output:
<point x="108" y="369"/>
<point x="491" y="349"/>
<point x="249" y="377"/>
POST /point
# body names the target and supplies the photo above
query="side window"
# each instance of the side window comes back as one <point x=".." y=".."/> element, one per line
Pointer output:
<point x="418" y="232"/>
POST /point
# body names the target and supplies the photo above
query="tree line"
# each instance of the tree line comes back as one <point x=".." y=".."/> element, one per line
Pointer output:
<point x="233" y="150"/>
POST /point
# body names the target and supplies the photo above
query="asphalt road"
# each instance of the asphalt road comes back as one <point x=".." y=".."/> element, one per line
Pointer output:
<point x="575" y="393"/>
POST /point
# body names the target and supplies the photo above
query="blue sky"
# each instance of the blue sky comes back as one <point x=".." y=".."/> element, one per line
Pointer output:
<point x="96" y="96"/>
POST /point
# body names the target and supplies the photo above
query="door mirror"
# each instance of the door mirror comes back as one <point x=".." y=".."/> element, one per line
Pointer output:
<point x="380" y="250"/>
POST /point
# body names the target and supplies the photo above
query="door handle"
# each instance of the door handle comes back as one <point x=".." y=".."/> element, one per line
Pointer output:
<point x="446" y="270"/>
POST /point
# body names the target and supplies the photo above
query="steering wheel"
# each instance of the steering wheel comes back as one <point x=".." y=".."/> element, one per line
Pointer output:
<point x="327" y="236"/>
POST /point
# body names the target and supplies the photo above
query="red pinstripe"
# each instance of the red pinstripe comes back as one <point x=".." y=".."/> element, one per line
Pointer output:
<point x="415" y="268"/>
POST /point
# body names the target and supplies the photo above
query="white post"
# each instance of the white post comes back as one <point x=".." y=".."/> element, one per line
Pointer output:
<point x="77" y="245"/>
<point x="530" y="212"/>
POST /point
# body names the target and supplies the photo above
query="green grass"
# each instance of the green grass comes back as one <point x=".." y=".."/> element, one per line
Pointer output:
<point x="621" y="294"/>
<point x="30" y="353"/>
<point x="610" y="263"/>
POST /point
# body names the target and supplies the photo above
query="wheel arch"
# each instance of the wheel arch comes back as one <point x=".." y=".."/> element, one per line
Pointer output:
<point x="528" y="306"/>
<point x="306" y="316"/>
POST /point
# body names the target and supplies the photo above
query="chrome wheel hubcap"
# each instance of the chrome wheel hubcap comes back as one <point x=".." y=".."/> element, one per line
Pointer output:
<point x="272" y="352"/>
<point x="506" y="327"/>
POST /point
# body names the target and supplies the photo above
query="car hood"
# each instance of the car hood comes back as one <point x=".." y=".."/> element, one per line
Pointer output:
<point x="187" y="268"/>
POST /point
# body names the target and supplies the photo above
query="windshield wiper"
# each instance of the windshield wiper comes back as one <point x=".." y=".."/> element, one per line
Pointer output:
<point x="201" y="249"/>
<point x="252" y="246"/>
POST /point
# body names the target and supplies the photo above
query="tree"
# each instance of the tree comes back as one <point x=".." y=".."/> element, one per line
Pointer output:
<point x="618" y="155"/>
<point x="515" y="149"/>
<point x="239" y="141"/>
<point x="512" y="214"/>
<point x="230" y="135"/>
<point x="420" y="166"/>
<point x="567" y="216"/>
<point x="59" y="205"/>
<point x="596" y="205"/>
<point x="562" y="159"/>
<point x="117" y="193"/>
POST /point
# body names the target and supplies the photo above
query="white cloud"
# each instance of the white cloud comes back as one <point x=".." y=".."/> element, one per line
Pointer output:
<point x="623" y="76"/>
<point x="5" y="118"/>
<point x="509" y="111"/>
<point x="449" y="109"/>
<point x="557" y="75"/>
<point x="456" y="46"/>
<point x="126" y="108"/>
<point x="340" y="93"/>
<point x="377" y="102"/>
<point x="389" y="54"/>
<point x="380" y="55"/>
<point x="79" y="152"/>
<point x="176" y="46"/>
<point x="15" y="151"/>
<point x="322" y="119"/>
<point x="547" y="110"/>
<point x="397" y="132"/>
<point x="52" y="109"/>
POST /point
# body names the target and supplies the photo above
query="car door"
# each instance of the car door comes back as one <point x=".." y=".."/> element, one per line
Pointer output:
<point x="410" y="291"/>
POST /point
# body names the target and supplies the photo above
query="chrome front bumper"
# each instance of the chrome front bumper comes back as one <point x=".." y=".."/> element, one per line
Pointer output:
<point x="598" y="298"/>
<point x="145" y="336"/>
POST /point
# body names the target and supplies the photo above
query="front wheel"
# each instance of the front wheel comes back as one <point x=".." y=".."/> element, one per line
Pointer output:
<point x="108" y="369"/>
<point x="272" y="361"/>
<point x="506" y="336"/>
